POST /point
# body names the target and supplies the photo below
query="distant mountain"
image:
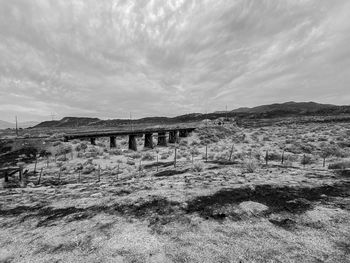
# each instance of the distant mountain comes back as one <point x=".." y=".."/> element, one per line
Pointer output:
<point x="6" y="125"/>
<point x="68" y="122"/>
<point x="23" y="125"/>
<point x="27" y="124"/>
<point x="291" y="107"/>
<point x="265" y="111"/>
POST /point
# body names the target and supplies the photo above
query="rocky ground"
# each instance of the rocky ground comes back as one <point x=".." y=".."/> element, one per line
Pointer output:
<point x="95" y="204"/>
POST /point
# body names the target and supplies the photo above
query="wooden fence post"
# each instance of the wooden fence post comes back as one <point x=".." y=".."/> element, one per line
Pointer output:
<point x="282" y="157"/>
<point x="36" y="161"/>
<point x="267" y="157"/>
<point x="231" y="154"/>
<point x="206" y="153"/>
<point x="175" y="156"/>
<point x="41" y="171"/>
<point x="99" y="173"/>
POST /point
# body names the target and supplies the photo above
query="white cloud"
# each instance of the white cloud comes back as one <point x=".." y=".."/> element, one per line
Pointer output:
<point x="107" y="58"/>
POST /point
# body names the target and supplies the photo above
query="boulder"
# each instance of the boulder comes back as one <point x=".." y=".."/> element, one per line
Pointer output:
<point x="252" y="208"/>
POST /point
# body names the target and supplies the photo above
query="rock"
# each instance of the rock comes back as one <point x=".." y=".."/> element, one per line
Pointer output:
<point x="61" y="159"/>
<point x="252" y="208"/>
<point x="97" y="195"/>
<point x="88" y="169"/>
<point x="30" y="185"/>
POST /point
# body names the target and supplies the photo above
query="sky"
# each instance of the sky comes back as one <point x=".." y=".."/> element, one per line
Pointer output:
<point x="107" y="58"/>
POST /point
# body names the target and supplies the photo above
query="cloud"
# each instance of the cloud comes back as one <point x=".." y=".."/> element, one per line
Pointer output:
<point x="109" y="58"/>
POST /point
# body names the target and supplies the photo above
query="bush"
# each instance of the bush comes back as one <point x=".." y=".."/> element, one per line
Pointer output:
<point x="116" y="152"/>
<point x="148" y="157"/>
<point x="249" y="166"/>
<point x="306" y="159"/>
<point x="135" y="155"/>
<point x="164" y="156"/>
<point x="130" y="162"/>
<point x="198" y="167"/>
<point x="340" y="165"/>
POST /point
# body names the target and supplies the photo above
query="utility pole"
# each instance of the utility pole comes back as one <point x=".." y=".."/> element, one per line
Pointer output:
<point x="53" y="116"/>
<point x="130" y="122"/>
<point x="16" y="127"/>
<point x="226" y="113"/>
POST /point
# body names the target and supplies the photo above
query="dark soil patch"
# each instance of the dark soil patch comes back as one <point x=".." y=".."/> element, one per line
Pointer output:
<point x="159" y="210"/>
<point x="223" y="162"/>
<point x="279" y="199"/>
<point x="28" y="155"/>
<point x="170" y="172"/>
<point x="284" y="223"/>
<point x="159" y="164"/>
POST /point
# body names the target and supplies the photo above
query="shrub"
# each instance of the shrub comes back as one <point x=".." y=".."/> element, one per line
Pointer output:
<point x="148" y="157"/>
<point x="340" y="165"/>
<point x="130" y="162"/>
<point x="198" y="167"/>
<point x="249" y="166"/>
<point x="135" y="155"/>
<point x="116" y="152"/>
<point x="183" y="143"/>
<point x="194" y="151"/>
<point x="164" y="156"/>
<point x="306" y="159"/>
<point x="83" y="146"/>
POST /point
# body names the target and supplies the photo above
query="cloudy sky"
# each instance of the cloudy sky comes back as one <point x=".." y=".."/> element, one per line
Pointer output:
<point x="107" y="58"/>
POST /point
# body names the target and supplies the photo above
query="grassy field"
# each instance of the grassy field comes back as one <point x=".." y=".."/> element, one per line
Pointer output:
<point x="221" y="202"/>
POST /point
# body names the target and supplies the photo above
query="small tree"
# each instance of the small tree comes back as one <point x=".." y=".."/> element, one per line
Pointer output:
<point x="327" y="151"/>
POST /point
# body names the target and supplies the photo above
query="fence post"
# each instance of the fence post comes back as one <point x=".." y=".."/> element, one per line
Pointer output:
<point x="41" y="172"/>
<point x="59" y="175"/>
<point x="206" y="153"/>
<point x="267" y="157"/>
<point x="231" y="154"/>
<point x="99" y="172"/>
<point x="36" y="161"/>
<point x="282" y="157"/>
<point x="175" y="156"/>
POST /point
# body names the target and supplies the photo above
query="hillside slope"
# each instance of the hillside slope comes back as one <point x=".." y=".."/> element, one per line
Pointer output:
<point x="276" y="110"/>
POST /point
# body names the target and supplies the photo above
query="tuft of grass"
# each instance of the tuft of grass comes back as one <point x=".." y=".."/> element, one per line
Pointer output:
<point x="198" y="167"/>
<point x="249" y="166"/>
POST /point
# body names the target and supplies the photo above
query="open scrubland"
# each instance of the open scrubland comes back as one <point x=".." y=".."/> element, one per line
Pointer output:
<point x="279" y="193"/>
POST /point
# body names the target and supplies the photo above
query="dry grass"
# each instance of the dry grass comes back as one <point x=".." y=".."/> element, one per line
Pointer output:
<point x="215" y="211"/>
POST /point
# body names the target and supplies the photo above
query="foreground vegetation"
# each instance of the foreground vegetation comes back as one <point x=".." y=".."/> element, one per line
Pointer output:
<point x="268" y="194"/>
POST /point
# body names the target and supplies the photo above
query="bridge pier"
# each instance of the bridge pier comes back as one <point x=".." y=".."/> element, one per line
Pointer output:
<point x="162" y="139"/>
<point x="149" y="140"/>
<point x="132" y="142"/>
<point x="173" y="137"/>
<point x="112" y="143"/>
<point x="183" y="133"/>
<point x="93" y="141"/>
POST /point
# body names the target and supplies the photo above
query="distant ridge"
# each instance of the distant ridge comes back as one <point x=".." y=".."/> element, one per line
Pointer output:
<point x="291" y="106"/>
<point x="6" y="125"/>
<point x="275" y="110"/>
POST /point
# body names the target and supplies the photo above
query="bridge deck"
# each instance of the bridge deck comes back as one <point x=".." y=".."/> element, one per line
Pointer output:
<point x="96" y="134"/>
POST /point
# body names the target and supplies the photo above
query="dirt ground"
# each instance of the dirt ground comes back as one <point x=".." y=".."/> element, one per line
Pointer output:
<point x="113" y="205"/>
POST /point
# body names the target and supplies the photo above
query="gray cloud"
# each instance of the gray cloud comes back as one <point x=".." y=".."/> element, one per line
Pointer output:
<point x="109" y="58"/>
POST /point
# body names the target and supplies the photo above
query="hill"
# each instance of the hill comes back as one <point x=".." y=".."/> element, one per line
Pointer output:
<point x="6" y="124"/>
<point x="276" y="110"/>
<point x="292" y="107"/>
<point x="68" y="122"/>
